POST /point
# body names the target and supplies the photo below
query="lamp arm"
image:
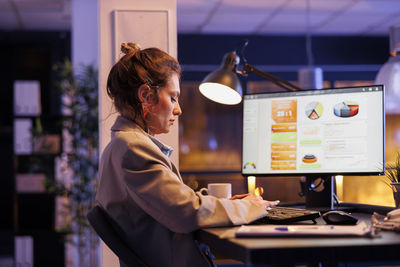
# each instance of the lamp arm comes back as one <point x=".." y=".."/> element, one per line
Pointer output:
<point x="247" y="68"/>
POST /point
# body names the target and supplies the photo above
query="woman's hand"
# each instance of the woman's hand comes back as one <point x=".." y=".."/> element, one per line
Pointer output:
<point x="259" y="201"/>
<point x="239" y="196"/>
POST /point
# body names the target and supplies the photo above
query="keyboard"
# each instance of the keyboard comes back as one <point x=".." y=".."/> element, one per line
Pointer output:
<point x="286" y="215"/>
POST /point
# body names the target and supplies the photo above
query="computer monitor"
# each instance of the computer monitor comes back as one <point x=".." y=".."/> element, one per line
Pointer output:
<point x="314" y="133"/>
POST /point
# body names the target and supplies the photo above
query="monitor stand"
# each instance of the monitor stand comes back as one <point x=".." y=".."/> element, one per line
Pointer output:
<point x="319" y="192"/>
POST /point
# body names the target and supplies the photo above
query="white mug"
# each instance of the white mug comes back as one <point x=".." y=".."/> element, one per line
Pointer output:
<point x="219" y="190"/>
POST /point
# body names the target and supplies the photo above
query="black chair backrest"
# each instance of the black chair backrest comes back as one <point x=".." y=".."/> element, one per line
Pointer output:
<point x="110" y="233"/>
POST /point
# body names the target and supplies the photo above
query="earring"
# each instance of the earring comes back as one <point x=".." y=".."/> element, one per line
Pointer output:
<point x="145" y="109"/>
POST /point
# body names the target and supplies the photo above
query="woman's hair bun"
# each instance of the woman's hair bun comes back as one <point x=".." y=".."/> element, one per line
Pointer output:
<point x="128" y="48"/>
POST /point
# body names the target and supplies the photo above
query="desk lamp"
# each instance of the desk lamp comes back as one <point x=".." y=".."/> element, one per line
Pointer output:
<point x="223" y="85"/>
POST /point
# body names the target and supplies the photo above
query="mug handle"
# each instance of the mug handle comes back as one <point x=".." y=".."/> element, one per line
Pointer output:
<point x="204" y="191"/>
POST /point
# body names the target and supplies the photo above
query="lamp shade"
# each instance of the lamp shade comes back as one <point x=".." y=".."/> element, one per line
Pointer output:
<point x="223" y="85"/>
<point x="389" y="74"/>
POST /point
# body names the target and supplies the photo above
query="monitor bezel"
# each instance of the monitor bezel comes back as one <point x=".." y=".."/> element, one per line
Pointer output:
<point x="291" y="174"/>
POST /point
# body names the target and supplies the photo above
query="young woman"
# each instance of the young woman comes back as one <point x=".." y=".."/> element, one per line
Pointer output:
<point x="140" y="188"/>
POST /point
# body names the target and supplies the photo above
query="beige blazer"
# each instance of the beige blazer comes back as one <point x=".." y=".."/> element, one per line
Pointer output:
<point x="143" y="191"/>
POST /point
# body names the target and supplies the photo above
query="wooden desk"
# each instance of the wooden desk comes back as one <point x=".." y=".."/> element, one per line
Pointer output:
<point x="291" y="250"/>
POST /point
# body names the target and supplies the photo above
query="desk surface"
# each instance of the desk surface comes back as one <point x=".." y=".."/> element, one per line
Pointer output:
<point x="261" y="250"/>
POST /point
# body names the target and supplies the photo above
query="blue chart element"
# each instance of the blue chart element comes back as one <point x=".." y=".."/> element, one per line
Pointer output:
<point x="345" y="109"/>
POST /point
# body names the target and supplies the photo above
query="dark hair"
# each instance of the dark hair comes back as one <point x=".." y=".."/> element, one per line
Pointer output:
<point x="150" y="66"/>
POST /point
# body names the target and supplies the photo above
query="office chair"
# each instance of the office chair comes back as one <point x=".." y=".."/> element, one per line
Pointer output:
<point x="111" y="234"/>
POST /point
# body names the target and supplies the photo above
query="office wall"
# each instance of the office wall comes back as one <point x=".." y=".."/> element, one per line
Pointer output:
<point x="29" y="56"/>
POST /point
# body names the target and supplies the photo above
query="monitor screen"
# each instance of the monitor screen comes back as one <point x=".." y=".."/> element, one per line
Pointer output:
<point x="328" y="131"/>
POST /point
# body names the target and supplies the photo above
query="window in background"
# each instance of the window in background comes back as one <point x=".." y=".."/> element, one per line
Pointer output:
<point x="209" y="133"/>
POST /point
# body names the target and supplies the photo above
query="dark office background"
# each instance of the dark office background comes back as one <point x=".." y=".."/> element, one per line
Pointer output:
<point x="31" y="55"/>
<point x="28" y="56"/>
<point x="286" y="50"/>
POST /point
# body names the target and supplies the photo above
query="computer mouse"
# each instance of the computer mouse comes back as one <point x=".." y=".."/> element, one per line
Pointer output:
<point x="339" y="217"/>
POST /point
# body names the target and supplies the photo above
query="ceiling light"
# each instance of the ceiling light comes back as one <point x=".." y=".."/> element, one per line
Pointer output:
<point x="389" y="74"/>
<point x="310" y="77"/>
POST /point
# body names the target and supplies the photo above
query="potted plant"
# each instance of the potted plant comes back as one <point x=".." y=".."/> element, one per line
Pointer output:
<point x="79" y="158"/>
<point x="392" y="173"/>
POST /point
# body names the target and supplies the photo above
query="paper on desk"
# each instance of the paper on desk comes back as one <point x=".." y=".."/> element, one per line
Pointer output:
<point x="360" y="229"/>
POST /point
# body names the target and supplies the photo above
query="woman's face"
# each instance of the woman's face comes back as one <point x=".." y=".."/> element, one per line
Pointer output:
<point x="163" y="114"/>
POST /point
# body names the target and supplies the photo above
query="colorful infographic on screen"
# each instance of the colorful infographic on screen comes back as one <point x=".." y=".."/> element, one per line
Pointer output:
<point x="316" y="131"/>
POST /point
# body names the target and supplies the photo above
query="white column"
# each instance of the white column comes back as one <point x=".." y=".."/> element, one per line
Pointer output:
<point x="84" y="50"/>
<point x="98" y="28"/>
<point x="149" y="23"/>
<point x="85" y="32"/>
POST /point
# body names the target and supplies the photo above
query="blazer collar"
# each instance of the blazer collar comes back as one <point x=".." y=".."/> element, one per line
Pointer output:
<point x="124" y="124"/>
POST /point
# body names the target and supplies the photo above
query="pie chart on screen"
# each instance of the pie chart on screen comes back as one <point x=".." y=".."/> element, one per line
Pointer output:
<point x="314" y="110"/>
<point x="309" y="158"/>
<point x="249" y="163"/>
<point x="346" y="109"/>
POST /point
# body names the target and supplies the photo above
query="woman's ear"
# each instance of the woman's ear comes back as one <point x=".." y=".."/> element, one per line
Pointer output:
<point x="147" y="95"/>
<point x="143" y="92"/>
